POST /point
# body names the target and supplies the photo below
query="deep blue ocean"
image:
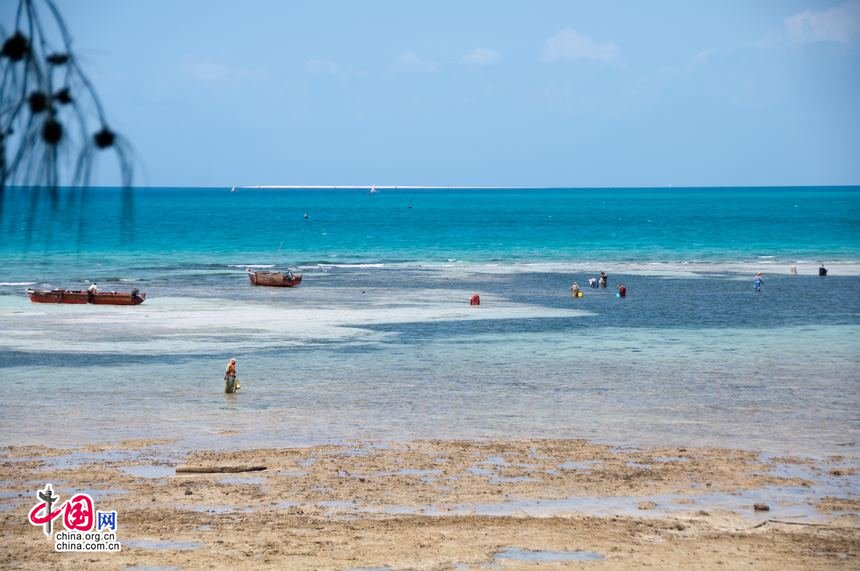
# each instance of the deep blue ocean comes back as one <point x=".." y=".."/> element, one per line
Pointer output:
<point x="379" y="340"/>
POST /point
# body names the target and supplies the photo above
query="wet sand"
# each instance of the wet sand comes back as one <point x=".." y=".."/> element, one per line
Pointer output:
<point x="442" y="504"/>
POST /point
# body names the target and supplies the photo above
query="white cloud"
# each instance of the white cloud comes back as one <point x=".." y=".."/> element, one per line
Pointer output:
<point x="694" y="63"/>
<point x="481" y="56"/>
<point x="322" y="67"/>
<point x="568" y="45"/>
<point x="409" y="62"/>
<point x="838" y="24"/>
<point x="210" y="71"/>
<point x="701" y="57"/>
<point x="325" y="67"/>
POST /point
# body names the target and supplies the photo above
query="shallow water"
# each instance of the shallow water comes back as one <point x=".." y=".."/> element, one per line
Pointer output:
<point x="153" y="472"/>
<point x="795" y="504"/>
<point x="517" y="554"/>
<point x="379" y="340"/>
<point x="442" y="370"/>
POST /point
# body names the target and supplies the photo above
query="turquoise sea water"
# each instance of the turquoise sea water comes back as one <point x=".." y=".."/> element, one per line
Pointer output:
<point x="379" y="341"/>
<point x="525" y="225"/>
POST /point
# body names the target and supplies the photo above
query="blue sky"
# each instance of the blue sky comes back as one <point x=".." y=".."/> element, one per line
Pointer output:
<point x="483" y="93"/>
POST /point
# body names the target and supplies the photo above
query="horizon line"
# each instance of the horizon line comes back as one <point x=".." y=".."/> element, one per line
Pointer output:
<point x="451" y="187"/>
<point x="518" y="187"/>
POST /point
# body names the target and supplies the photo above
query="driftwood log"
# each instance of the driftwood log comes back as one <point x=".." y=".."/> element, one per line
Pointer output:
<point x="217" y="469"/>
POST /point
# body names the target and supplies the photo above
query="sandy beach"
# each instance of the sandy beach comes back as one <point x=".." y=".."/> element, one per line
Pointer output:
<point x="442" y="504"/>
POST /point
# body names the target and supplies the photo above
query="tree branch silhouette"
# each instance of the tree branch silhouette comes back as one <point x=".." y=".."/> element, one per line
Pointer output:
<point x="52" y="121"/>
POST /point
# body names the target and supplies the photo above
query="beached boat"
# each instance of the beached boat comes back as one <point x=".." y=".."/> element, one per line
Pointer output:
<point x="133" y="297"/>
<point x="277" y="279"/>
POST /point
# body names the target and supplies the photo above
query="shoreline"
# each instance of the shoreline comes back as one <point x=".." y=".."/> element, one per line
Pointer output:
<point x="443" y="504"/>
<point x="729" y="269"/>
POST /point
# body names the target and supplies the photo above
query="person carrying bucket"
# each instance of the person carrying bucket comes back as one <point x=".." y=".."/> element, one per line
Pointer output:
<point x="231" y="384"/>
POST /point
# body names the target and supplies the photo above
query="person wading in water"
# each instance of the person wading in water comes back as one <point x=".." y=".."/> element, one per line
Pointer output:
<point x="231" y="385"/>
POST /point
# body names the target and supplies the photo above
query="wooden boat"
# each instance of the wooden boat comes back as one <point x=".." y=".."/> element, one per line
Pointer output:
<point x="277" y="279"/>
<point x="58" y="296"/>
<point x="118" y="298"/>
<point x="77" y="296"/>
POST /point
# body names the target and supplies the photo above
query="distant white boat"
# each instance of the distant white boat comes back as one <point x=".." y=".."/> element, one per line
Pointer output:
<point x="373" y="189"/>
<point x="233" y="189"/>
